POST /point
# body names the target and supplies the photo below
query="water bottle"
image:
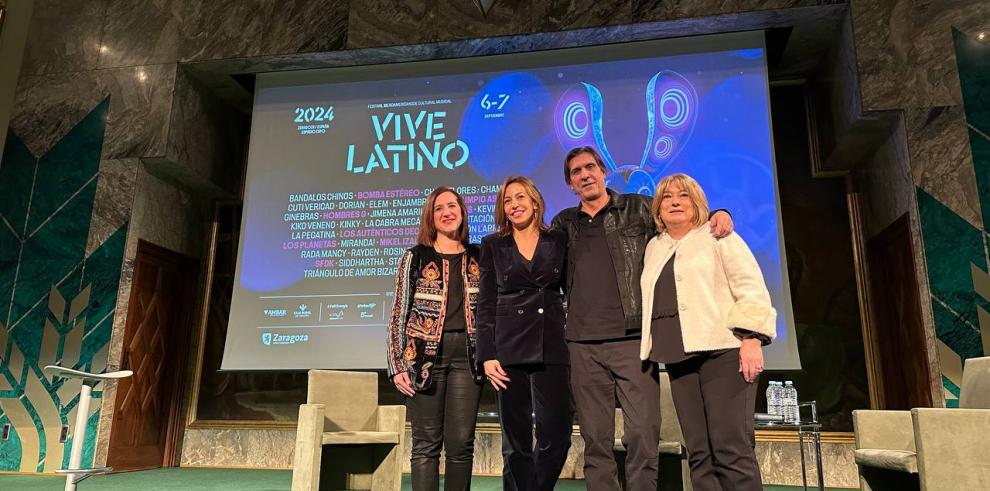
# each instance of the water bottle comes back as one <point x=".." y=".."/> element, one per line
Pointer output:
<point x="781" y="401"/>
<point x="773" y="398"/>
<point x="790" y="403"/>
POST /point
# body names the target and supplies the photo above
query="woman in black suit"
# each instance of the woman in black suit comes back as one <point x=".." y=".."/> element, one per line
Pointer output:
<point x="521" y="345"/>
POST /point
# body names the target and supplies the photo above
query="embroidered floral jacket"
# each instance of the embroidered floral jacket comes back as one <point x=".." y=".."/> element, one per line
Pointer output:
<point x="420" y="306"/>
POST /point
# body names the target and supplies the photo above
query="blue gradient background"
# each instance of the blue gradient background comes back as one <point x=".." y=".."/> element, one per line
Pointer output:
<point x="726" y="145"/>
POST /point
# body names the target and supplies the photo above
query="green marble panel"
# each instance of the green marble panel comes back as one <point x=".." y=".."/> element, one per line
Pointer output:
<point x="70" y="164"/>
<point x="61" y="210"/>
<point x="102" y="275"/>
<point x="54" y="250"/>
<point x="16" y="175"/>
<point x="980" y="146"/>
<point x="960" y="336"/>
<point x="10" y="450"/>
<point x="10" y="249"/>
<point x="973" y="63"/>
<point x="951" y="245"/>
<point x="72" y="284"/>
<point x="27" y="334"/>
<point x="89" y="446"/>
<point x="954" y="390"/>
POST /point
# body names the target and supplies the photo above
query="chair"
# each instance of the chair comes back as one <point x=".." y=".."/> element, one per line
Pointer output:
<point x="345" y="440"/>
<point x="929" y="448"/>
<point x="73" y="474"/>
<point x="675" y="474"/>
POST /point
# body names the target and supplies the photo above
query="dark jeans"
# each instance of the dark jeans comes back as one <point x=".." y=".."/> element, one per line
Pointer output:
<point x="545" y="391"/>
<point x="715" y="407"/>
<point x="600" y="372"/>
<point x="444" y="417"/>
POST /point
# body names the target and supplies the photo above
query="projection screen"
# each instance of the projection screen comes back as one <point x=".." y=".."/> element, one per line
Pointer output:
<point x="341" y="160"/>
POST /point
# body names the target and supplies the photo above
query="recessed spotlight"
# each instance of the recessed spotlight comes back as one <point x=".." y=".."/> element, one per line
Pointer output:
<point x="104" y="48"/>
<point x="142" y="76"/>
<point x="983" y="36"/>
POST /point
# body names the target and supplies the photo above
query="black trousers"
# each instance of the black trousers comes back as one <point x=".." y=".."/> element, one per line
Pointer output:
<point x="600" y="373"/>
<point x="715" y="407"/>
<point x="543" y="390"/>
<point x="444" y="417"/>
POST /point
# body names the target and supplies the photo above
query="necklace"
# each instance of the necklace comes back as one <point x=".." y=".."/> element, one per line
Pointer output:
<point x="436" y="247"/>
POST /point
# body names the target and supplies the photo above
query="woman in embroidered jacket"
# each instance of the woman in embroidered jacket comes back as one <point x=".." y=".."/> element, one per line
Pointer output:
<point x="431" y="342"/>
<point x="521" y="337"/>
<point x="706" y="316"/>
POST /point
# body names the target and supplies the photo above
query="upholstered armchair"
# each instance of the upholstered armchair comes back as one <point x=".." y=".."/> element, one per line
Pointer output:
<point x="929" y="448"/>
<point x="345" y="440"/>
<point x="675" y="474"/>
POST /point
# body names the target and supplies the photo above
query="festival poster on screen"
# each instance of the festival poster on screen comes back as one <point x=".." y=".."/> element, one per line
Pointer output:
<point x="338" y="174"/>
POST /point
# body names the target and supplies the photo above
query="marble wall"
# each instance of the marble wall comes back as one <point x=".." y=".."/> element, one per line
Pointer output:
<point x="238" y="448"/>
<point x="13" y="34"/>
<point x="886" y="187"/>
<point x="955" y="247"/>
<point x="273" y="449"/>
<point x="905" y="50"/>
<point x="909" y="64"/>
<point x="165" y="137"/>
<point x="60" y="267"/>
<point x="896" y="119"/>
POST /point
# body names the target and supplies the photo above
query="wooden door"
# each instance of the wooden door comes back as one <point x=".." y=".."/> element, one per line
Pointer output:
<point x="899" y="327"/>
<point x="146" y="423"/>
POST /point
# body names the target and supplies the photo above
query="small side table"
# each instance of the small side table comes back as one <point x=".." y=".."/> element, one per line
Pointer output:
<point x="74" y="475"/>
<point x="809" y="428"/>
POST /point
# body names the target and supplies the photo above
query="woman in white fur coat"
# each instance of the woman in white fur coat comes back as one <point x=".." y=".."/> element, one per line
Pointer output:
<point x="706" y="316"/>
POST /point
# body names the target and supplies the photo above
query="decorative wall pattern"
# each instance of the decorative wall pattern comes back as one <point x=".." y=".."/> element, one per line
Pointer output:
<point x="130" y="49"/>
<point x="956" y="251"/>
<point x="56" y="302"/>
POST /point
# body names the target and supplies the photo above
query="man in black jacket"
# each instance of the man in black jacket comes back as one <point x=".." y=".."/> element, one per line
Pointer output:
<point x="607" y="237"/>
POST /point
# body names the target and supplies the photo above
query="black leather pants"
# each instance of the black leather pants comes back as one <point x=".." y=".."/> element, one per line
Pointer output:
<point x="444" y="417"/>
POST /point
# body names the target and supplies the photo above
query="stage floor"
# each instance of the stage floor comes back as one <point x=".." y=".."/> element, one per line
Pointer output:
<point x="196" y="479"/>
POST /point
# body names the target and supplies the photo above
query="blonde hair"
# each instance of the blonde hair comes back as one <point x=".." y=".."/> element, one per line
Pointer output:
<point x="502" y="220"/>
<point x="695" y="194"/>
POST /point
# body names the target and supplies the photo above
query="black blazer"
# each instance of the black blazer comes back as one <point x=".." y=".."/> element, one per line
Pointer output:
<point x="520" y="316"/>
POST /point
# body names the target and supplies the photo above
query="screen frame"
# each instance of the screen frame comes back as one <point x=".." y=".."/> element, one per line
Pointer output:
<point x="599" y="53"/>
<point x="618" y="51"/>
